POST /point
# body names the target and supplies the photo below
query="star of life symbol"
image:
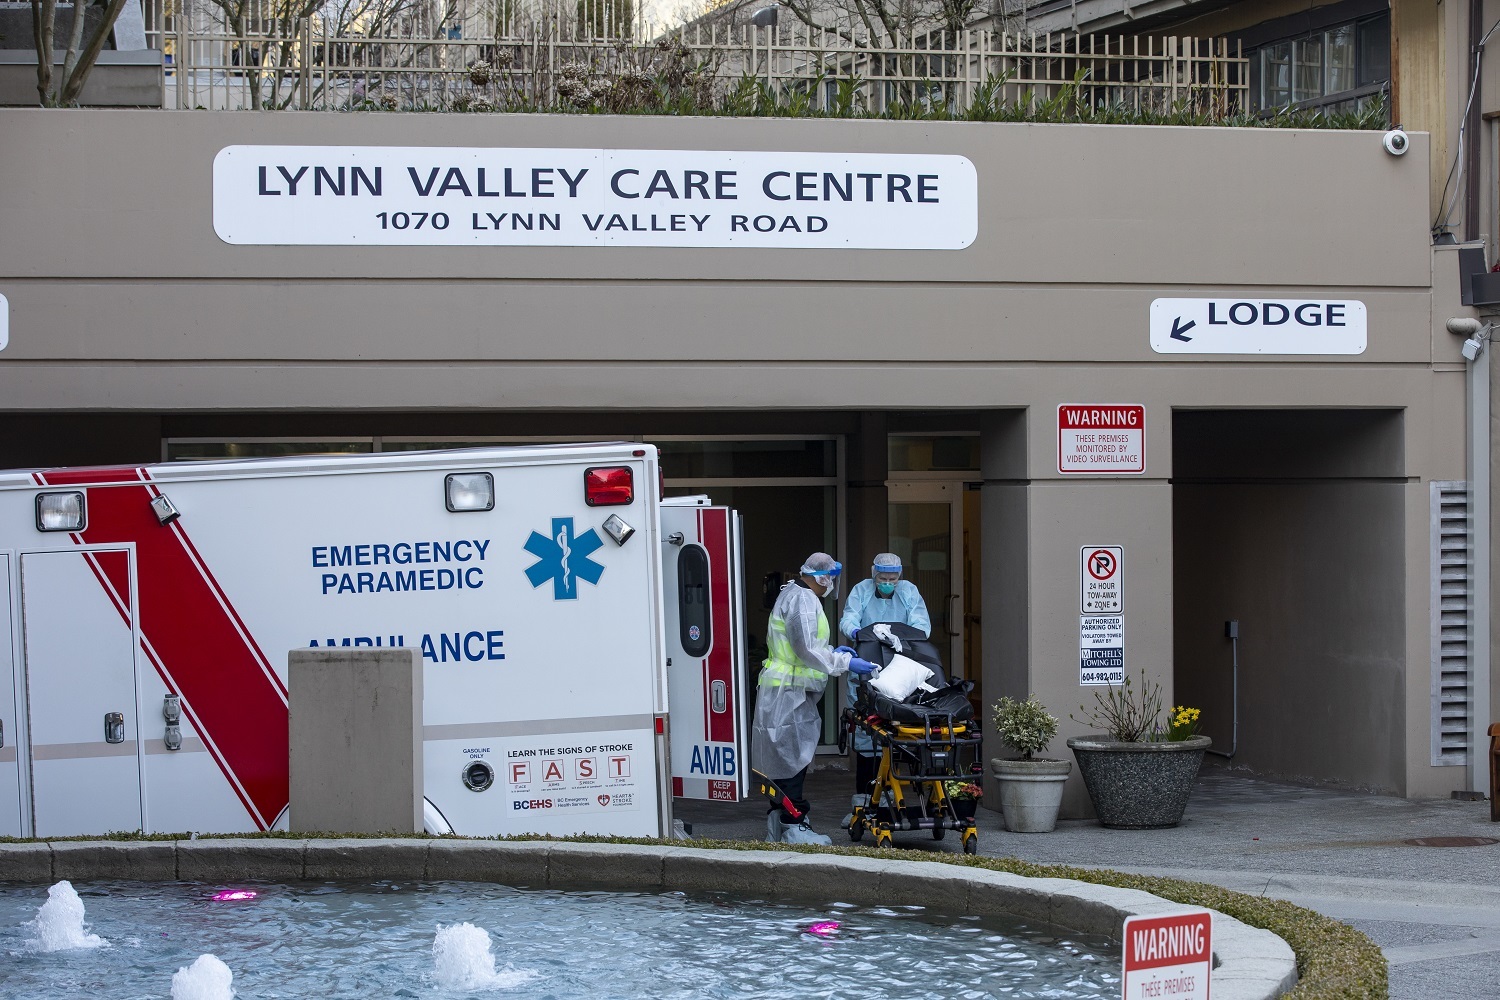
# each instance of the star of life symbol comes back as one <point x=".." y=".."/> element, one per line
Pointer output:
<point x="564" y="559"/>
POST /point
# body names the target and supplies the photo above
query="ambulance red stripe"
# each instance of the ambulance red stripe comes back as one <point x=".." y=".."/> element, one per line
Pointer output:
<point x="208" y="576"/>
<point x="715" y="532"/>
<point x="196" y="640"/>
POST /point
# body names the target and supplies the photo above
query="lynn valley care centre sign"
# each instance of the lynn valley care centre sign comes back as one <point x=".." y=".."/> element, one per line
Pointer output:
<point x="435" y="196"/>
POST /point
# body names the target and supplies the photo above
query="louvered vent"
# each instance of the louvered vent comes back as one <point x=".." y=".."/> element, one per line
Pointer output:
<point x="1450" y="623"/>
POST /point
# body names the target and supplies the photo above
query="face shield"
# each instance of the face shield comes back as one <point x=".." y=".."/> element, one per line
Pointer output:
<point x="826" y="577"/>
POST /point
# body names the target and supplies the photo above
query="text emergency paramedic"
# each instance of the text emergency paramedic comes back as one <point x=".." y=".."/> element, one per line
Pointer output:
<point x="460" y="573"/>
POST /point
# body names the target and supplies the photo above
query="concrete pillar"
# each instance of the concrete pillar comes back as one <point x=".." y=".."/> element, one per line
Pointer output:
<point x="1034" y="524"/>
<point x="1005" y="581"/>
<point x="356" y="740"/>
<point x="866" y="473"/>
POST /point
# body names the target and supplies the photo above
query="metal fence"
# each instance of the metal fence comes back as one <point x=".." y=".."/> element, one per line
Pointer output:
<point x="305" y="64"/>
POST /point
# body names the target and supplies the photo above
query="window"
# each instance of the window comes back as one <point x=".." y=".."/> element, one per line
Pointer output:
<point x="1341" y="67"/>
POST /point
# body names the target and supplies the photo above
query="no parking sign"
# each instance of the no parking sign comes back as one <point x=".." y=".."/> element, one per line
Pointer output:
<point x="1099" y="580"/>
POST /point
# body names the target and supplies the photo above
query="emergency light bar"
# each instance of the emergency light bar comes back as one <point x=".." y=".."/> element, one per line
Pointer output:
<point x="469" y="491"/>
<point x="60" y="511"/>
<point x="608" y="486"/>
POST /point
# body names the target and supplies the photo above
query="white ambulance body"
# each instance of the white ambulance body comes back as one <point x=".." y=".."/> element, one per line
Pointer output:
<point x="146" y="615"/>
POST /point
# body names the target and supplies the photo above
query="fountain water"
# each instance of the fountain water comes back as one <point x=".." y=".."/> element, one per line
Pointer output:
<point x="462" y="960"/>
<point x="327" y="939"/>
<point x="59" y="923"/>
<point x="206" y="979"/>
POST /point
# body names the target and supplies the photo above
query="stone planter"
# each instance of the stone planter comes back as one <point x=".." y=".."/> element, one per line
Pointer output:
<point x="1030" y="792"/>
<point x="1138" y="786"/>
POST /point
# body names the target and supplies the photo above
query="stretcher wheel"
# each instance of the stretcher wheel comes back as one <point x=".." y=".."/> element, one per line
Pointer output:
<point x="971" y="842"/>
<point x="856" y="830"/>
<point x="883" y="837"/>
<point x="938" y="831"/>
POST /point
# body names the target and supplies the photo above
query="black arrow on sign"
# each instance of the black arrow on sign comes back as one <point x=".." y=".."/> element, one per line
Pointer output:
<point x="1178" y="329"/>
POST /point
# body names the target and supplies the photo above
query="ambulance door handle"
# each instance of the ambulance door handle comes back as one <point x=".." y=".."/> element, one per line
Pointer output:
<point x="948" y="615"/>
<point x="114" y="727"/>
<point x="2" y="734"/>
<point x="718" y="696"/>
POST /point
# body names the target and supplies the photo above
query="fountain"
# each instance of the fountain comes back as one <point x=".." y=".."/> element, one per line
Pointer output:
<point x="339" y="939"/>
<point x="206" y="979"/>
<point x="59" y="923"/>
<point x="462" y="960"/>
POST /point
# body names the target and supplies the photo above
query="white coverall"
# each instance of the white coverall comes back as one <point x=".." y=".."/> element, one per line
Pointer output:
<point x="784" y="734"/>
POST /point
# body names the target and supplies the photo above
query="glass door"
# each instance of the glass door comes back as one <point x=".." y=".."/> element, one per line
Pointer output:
<point x="926" y="529"/>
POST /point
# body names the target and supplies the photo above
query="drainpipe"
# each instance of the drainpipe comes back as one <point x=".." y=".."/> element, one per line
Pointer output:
<point x="1477" y="459"/>
<point x="1232" y="633"/>
<point x="1471" y="126"/>
<point x="1478" y="378"/>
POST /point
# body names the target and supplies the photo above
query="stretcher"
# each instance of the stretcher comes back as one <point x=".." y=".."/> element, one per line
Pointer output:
<point x="923" y="742"/>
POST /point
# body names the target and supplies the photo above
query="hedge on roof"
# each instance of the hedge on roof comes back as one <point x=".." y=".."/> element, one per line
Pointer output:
<point x="1334" y="961"/>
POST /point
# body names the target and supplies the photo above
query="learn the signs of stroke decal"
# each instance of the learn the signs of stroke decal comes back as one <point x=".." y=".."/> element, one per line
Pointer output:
<point x="1168" y="958"/>
<point x="1258" y="326"/>
<point x="441" y="196"/>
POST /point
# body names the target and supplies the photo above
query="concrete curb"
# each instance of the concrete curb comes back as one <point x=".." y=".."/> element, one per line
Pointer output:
<point x="1253" y="964"/>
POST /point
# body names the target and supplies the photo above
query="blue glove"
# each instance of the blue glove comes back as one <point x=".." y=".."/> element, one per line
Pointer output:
<point x="860" y="668"/>
<point x="854" y="636"/>
<point x="845" y="649"/>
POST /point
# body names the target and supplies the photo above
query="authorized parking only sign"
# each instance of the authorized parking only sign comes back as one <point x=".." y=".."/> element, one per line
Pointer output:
<point x="1101" y="649"/>
<point x="1099" y="588"/>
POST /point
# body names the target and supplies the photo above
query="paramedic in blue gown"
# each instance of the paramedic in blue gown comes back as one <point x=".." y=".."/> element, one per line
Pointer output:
<point x="885" y="597"/>
<point x="799" y="663"/>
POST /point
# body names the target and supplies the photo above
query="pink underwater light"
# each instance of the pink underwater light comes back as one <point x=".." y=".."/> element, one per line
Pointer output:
<point x="230" y="894"/>
<point x="823" y="928"/>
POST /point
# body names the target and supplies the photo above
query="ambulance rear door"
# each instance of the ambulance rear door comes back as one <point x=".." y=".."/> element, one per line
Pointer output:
<point x="10" y="733"/>
<point x="703" y="580"/>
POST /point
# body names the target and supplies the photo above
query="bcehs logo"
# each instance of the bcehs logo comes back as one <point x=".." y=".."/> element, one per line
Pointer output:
<point x="531" y="804"/>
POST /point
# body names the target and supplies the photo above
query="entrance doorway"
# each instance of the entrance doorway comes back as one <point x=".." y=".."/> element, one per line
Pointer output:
<point x="934" y="528"/>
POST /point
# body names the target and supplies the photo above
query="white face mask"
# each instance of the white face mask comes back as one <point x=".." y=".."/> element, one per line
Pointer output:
<point x="830" y="587"/>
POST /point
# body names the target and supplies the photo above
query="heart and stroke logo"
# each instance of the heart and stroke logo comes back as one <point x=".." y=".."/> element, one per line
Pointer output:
<point x="604" y="800"/>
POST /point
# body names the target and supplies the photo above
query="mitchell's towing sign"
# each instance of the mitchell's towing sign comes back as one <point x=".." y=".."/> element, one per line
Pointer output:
<point x="439" y="196"/>
<point x="1257" y="326"/>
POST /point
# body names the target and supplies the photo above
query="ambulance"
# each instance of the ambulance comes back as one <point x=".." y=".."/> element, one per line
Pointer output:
<point x="581" y="637"/>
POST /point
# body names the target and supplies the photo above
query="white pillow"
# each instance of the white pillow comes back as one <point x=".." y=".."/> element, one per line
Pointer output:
<point x="899" y="678"/>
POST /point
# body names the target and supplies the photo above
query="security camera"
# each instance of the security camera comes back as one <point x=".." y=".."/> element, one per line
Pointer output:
<point x="1396" y="142"/>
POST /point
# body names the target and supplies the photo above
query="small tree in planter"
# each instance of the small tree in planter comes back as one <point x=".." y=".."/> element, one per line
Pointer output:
<point x="1139" y="775"/>
<point x="1031" y="787"/>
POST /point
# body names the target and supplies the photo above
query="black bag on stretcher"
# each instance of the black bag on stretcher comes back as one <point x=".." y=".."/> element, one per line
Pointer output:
<point x="949" y="702"/>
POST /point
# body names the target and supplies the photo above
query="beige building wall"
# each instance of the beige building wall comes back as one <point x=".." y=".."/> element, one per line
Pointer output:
<point x="124" y="301"/>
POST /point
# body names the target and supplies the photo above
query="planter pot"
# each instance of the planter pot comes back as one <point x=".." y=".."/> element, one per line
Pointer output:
<point x="1030" y="792"/>
<point x="1138" y="786"/>
<point x="965" y="809"/>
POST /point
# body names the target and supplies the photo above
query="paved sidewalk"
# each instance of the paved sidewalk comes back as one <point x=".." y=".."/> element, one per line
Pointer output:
<point x="1434" y="910"/>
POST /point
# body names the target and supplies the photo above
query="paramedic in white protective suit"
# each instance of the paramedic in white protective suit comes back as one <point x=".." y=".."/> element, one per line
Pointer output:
<point x="800" y="662"/>
<point x="885" y="597"/>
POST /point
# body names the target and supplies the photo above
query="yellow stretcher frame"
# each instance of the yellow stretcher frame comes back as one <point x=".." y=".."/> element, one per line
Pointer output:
<point x="890" y="780"/>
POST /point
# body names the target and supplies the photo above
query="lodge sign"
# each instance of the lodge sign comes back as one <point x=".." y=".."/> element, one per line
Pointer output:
<point x="1258" y="326"/>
